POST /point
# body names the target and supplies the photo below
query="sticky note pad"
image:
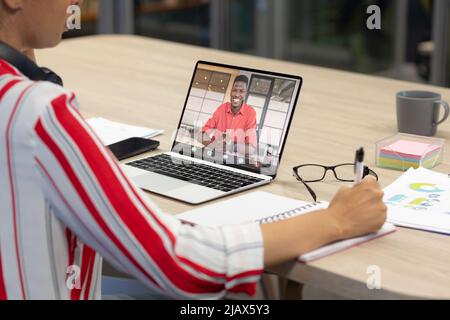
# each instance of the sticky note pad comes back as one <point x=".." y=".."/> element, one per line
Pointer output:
<point x="403" y="154"/>
<point x="410" y="149"/>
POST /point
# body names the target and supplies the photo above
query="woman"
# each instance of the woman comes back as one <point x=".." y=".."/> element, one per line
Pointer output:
<point x="65" y="203"/>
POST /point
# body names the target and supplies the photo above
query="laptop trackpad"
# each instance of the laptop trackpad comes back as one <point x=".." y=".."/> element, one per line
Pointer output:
<point x="158" y="183"/>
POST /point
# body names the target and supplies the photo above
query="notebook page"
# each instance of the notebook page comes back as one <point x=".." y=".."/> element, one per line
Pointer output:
<point x="254" y="206"/>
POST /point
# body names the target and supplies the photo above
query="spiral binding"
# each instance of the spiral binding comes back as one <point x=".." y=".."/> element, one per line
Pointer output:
<point x="288" y="214"/>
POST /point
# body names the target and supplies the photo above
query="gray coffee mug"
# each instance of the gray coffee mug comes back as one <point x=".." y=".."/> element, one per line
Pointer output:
<point x="418" y="112"/>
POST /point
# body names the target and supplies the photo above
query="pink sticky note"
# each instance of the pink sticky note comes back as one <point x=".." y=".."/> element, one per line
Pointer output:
<point x="412" y="149"/>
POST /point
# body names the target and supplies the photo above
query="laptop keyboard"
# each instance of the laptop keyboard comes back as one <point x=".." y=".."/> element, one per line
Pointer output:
<point x="196" y="173"/>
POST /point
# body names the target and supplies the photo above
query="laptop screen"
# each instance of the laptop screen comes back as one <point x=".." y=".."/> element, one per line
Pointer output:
<point x="237" y="116"/>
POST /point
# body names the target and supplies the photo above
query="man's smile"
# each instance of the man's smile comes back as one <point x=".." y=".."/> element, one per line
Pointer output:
<point x="236" y="100"/>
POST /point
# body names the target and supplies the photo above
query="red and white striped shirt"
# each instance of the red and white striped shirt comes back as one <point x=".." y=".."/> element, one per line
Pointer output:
<point x="65" y="203"/>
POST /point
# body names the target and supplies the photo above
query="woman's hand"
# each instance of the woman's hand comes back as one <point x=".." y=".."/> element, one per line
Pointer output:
<point x="359" y="210"/>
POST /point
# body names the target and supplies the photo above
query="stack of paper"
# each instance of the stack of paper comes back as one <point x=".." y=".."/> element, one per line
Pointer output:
<point x="404" y="154"/>
<point x="420" y="199"/>
<point x="264" y="207"/>
<point x="111" y="132"/>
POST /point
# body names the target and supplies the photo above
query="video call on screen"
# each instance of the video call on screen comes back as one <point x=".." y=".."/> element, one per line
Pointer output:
<point x="236" y="117"/>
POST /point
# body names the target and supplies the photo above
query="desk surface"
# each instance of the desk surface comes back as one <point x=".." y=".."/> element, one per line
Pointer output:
<point x="144" y="82"/>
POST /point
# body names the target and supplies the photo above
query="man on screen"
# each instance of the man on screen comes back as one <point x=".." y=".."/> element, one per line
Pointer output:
<point x="233" y="122"/>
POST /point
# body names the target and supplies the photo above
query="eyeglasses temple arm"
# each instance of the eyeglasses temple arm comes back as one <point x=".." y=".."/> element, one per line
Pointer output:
<point x="311" y="191"/>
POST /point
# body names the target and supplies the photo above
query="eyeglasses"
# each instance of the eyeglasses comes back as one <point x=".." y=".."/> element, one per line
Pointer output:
<point x="309" y="173"/>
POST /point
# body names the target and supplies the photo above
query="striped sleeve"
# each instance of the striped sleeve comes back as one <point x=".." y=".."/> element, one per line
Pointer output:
<point x="91" y="195"/>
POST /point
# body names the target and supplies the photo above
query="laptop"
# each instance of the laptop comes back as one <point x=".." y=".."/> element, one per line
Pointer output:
<point x="230" y="136"/>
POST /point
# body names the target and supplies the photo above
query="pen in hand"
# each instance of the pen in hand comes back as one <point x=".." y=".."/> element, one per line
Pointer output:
<point x="359" y="165"/>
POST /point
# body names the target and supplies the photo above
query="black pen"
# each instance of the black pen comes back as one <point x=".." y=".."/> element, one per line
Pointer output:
<point x="359" y="165"/>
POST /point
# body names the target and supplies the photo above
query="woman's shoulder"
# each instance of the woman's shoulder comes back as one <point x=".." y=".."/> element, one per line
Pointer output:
<point x="44" y="93"/>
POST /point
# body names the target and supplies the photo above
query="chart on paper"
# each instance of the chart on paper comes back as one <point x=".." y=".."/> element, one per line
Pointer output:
<point x="420" y="199"/>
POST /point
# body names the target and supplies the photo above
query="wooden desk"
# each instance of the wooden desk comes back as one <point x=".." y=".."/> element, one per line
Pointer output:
<point x="144" y="82"/>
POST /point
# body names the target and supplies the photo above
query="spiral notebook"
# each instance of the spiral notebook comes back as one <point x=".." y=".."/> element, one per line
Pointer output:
<point x="264" y="207"/>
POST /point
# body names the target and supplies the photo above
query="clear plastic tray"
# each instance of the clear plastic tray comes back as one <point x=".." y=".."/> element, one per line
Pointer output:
<point x="403" y="151"/>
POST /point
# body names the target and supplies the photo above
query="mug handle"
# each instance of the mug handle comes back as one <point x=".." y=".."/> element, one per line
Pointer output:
<point x="447" y="111"/>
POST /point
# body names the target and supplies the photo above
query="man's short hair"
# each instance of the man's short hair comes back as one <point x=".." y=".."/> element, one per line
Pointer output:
<point x="241" y="78"/>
